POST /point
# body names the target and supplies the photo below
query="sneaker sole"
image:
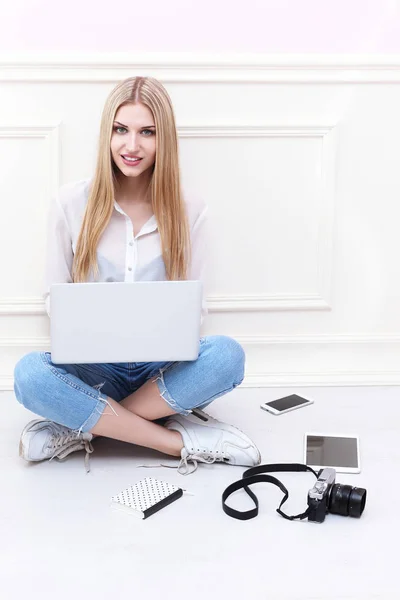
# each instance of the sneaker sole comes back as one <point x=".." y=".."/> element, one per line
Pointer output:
<point x="21" y="447"/>
<point x="224" y="426"/>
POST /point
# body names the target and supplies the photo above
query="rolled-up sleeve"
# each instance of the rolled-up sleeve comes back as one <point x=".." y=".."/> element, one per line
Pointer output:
<point x="199" y="262"/>
<point x="59" y="254"/>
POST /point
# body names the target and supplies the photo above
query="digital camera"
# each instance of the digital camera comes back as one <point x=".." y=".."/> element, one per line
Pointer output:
<point x="329" y="497"/>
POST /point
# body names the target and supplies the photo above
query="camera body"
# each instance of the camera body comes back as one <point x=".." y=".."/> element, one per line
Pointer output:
<point x="318" y="496"/>
<point x="336" y="498"/>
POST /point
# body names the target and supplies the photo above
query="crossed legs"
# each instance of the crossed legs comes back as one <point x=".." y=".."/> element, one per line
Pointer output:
<point x="131" y="421"/>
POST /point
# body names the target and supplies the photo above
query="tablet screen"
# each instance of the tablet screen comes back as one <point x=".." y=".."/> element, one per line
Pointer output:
<point x="326" y="451"/>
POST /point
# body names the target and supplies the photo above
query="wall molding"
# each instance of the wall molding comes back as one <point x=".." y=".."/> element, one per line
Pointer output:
<point x="339" y="338"/>
<point x="266" y="302"/>
<point x="6" y="384"/>
<point x="322" y="379"/>
<point x="270" y="378"/>
<point x="272" y="130"/>
<point x="50" y="133"/>
<point x="200" y="68"/>
<point x="296" y="380"/>
<point x="280" y="302"/>
<point x="22" y="306"/>
<point x="249" y="340"/>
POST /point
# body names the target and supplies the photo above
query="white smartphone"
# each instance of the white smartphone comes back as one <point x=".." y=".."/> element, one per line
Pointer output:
<point x="286" y="404"/>
<point x="339" y="451"/>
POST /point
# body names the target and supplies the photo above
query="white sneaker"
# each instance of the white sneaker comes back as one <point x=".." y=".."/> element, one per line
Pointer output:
<point x="212" y="441"/>
<point x="45" y="440"/>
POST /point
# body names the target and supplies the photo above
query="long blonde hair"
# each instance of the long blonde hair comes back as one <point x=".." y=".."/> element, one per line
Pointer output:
<point x="165" y="189"/>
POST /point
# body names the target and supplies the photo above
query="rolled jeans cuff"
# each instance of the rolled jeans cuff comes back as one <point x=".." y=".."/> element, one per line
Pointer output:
<point x="96" y="413"/>
<point x="165" y="395"/>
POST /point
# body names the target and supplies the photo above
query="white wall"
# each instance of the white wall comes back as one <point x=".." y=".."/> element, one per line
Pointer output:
<point x="298" y="161"/>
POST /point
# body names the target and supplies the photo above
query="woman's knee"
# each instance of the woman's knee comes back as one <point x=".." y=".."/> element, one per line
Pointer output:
<point x="226" y="357"/>
<point x="26" y="374"/>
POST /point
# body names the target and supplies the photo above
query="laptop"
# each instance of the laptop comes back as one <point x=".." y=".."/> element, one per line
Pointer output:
<point x="111" y="322"/>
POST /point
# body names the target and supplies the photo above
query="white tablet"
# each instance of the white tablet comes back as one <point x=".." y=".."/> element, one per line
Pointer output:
<point x="340" y="451"/>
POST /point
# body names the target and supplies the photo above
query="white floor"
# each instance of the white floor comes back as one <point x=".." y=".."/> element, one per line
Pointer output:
<point x="62" y="540"/>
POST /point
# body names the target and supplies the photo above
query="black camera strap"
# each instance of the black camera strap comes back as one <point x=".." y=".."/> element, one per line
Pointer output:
<point x="252" y="476"/>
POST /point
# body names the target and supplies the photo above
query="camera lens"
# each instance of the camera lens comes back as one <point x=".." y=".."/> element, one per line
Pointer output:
<point x="346" y="500"/>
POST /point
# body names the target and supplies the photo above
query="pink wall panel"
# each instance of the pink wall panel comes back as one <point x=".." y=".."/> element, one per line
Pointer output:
<point x="222" y="26"/>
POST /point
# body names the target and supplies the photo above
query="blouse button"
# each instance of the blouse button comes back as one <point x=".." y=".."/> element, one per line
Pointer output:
<point x="131" y="243"/>
<point x="129" y="268"/>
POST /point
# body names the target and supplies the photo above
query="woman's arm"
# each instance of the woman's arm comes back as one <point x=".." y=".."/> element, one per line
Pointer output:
<point x="59" y="254"/>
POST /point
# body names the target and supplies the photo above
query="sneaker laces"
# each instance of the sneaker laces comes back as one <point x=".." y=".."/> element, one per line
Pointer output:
<point x="194" y="458"/>
<point x="189" y="457"/>
<point x="63" y="441"/>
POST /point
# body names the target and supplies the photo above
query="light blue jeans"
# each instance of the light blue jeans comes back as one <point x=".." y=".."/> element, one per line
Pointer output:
<point x="70" y="394"/>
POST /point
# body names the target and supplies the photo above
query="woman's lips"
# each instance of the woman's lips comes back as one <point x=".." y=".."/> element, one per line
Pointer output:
<point x="131" y="163"/>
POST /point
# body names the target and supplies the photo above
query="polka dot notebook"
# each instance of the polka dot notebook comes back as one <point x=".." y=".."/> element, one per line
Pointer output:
<point x="146" y="497"/>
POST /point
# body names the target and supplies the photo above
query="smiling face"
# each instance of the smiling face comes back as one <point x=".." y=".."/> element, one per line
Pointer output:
<point x="134" y="135"/>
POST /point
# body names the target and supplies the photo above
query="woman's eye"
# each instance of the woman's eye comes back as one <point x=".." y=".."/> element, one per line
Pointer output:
<point x="147" y="131"/>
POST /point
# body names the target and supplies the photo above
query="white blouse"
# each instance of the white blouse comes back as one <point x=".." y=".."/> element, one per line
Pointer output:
<point x="121" y="256"/>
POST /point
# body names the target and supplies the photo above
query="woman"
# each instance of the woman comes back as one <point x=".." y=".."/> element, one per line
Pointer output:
<point x="131" y="223"/>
